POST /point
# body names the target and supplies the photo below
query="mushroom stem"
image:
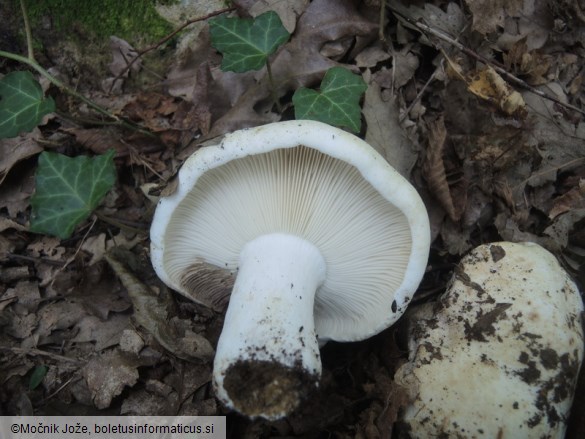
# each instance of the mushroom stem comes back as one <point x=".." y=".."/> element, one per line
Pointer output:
<point x="267" y="356"/>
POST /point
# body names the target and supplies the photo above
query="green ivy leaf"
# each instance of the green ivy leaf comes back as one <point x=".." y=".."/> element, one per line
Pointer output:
<point x="68" y="190"/>
<point x="247" y="43"/>
<point x="338" y="102"/>
<point x="22" y="104"/>
<point x="37" y="377"/>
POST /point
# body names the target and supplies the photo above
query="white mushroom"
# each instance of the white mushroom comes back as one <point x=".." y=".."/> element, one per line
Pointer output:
<point x="499" y="356"/>
<point x="325" y="237"/>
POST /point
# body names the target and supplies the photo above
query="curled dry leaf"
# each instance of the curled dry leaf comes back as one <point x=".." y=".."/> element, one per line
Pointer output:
<point x="152" y="312"/>
<point x="453" y="199"/>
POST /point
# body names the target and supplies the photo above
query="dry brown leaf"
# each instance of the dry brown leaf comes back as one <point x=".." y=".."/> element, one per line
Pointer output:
<point x="131" y="341"/>
<point x="456" y="239"/>
<point x="108" y="374"/>
<point x="509" y="230"/>
<point x="96" y="246"/>
<point x="371" y="56"/>
<point x="288" y="11"/>
<point x="20" y="326"/>
<point x="572" y="199"/>
<point x="192" y="117"/>
<point x="398" y="398"/>
<point x="524" y="63"/>
<point x="152" y="312"/>
<point x="57" y="316"/>
<point x="557" y="141"/>
<point x="451" y="22"/>
<point x="99" y="140"/>
<point x="28" y="295"/>
<point x="489" y="15"/>
<point x="7" y="223"/>
<point x="153" y="110"/>
<point x="122" y="55"/>
<point x="19" y="148"/>
<point x="384" y="132"/>
<point x="405" y="65"/>
<point x="47" y="247"/>
<point x="436" y="176"/>
<point x="562" y="226"/>
<point x="145" y="403"/>
<point x="103" y="333"/>
<point x="524" y="19"/>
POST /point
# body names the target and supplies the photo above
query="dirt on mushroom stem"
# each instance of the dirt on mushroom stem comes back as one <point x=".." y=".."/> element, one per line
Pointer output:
<point x="267" y="388"/>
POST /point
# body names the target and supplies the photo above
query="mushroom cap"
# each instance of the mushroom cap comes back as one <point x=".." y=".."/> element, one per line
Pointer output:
<point x="310" y="180"/>
<point x="499" y="356"/>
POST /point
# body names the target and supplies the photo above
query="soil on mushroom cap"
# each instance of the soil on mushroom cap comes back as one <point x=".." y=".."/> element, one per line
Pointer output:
<point x="265" y="387"/>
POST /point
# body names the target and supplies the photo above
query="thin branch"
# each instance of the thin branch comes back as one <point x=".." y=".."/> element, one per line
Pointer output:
<point x="511" y="78"/>
<point x="38" y="352"/>
<point x="140" y="229"/>
<point x="420" y="93"/>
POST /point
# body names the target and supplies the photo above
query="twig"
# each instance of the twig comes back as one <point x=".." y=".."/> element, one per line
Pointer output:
<point x="156" y="45"/>
<point x="442" y="36"/>
<point x="130" y="226"/>
<point x="552" y="169"/>
<point x="34" y="259"/>
<point x="420" y="94"/>
<point x="41" y="353"/>
<point x="73" y="379"/>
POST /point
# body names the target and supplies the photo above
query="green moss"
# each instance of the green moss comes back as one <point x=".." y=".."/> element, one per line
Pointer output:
<point x="129" y="19"/>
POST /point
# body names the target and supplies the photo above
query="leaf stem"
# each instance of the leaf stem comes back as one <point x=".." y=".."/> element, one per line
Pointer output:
<point x="273" y="87"/>
<point x="29" y="43"/>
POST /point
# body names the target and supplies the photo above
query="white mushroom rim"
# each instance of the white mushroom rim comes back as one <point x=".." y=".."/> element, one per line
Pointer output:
<point x="293" y="207"/>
